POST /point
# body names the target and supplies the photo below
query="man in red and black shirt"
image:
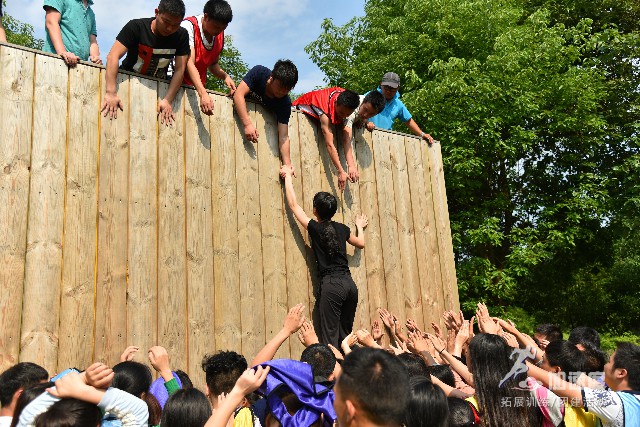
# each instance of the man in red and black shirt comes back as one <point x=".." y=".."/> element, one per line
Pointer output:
<point x="206" y="40"/>
<point x="331" y="106"/>
<point x="151" y="45"/>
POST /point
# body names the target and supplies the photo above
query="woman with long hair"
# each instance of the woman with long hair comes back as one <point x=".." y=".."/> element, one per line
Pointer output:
<point x="338" y="292"/>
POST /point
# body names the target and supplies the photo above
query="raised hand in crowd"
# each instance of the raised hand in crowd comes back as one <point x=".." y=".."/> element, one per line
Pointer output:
<point x="293" y="321"/>
<point x="159" y="359"/>
<point x="307" y="334"/>
<point x="348" y="342"/>
<point x="129" y="353"/>
<point x="412" y="326"/>
<point x="365" y="339"/>
<point x="486" y="324"/>
<point x="462" y="338"/>
<point x="99" y="376"/>
<point x="376" y="331"/>
<point x="452" y="320"/>
<point x="399" y="349"/>
<point x="72" y="385"/>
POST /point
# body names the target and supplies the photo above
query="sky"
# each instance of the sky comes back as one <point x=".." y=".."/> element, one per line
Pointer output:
<point x="262" y="30"/>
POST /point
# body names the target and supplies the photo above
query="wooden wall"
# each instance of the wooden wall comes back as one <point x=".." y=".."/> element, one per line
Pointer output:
<point x="127" y="232"/>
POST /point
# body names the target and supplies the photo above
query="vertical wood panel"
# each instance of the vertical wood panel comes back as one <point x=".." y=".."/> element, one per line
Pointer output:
<point x="406" y="240"/>
<point x="425" y="234"/>
<point x="111" y="284"/>
<point x="351" y="209"/>
<point x="199" y="235"/>
<point x="225" y="138"/>
<point x="272" y="219"/>
<point x="369" y="205"/>
<point x="250" y="242"/>
<point x="449" y="283"/>
<point x="142" y="289"/>
<point x="388" y="225"/>
<point x="294" y="234"/>
<point x="172" y="280"/>
<point x="16" y="121"/>
<point x="80" y="230"/>
<point x="310" y="178"/>
<point x="39" y="335"/>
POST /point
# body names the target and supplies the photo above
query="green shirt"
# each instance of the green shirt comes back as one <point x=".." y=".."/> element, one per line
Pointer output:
<point x="77" y="24"/>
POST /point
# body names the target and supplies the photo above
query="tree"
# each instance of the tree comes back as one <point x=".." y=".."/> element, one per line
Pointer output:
<point x="231" y="62"/>
<point x="521" y="100"/>
<point x="20" y="33"/>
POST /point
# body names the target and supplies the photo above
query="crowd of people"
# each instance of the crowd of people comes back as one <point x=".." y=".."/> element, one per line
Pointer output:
<point x="481" y="371"/>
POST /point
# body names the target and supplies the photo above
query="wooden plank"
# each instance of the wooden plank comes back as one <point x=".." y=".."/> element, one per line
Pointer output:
<point x="272" y="219"/>
<point x="424" y="229"/>
<point x="351" y="208"/>
<point x="225" y="137"/>
<point x="369" y="204"/>
<point x="172" y="280"/>
<point x="16" y="120"/>
<point x="142" y="291"/>
<point x="310" y="178"/>
<point x="388" y="225"/>
<point x="249" y="234"/>
<point x="328" y="172"/>
<point x="447" y="264"/>
<point x="294" y="235"/>
<point x="200" y="293"/>
<point x="77" y="315"/>
<point x="40" y="321"/>
<point x="406" y="234"/>
<point x="113" y="188"/>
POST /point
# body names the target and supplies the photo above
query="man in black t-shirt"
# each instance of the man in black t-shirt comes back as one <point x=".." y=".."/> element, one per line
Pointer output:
<point x="151" y="44"/>
<point x="271" y="88"/>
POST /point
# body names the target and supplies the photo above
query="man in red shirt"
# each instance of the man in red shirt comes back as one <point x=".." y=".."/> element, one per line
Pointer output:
<point x="331" y="106"/>
<point x="206" y="40"/>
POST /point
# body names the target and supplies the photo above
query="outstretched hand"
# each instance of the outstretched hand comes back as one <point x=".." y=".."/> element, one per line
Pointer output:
<point x="295" y="319"/>
<point x="307" y="334"/>
<point x="251" y="380"/>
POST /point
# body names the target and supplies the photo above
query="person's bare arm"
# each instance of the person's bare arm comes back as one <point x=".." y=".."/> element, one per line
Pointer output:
<point x="285" y="145"/>
<point x="347" y="134"/>
<point x="94" y="50"/>
<point x="557" y="385"/>
<point x="297" y="210"/>
<point x="111" y="102"/>
<point x="292" y="323"/>
<point x="3" y="35"/>
<point x="325" y="126"/>
<point x="448" y="390"/>
<point x="52" y="23"/>
<point x="206" y="102"/>
<point x="358" y="240"/>
<point x="413" y="126"/>
<point x="165" y="111"/>
<point x="219" y="73"/>
<point x="459" y="367"/>
<point x="250" y="131"/>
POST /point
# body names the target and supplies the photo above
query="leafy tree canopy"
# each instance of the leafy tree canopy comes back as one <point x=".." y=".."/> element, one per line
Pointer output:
<point x="231" y="62"/>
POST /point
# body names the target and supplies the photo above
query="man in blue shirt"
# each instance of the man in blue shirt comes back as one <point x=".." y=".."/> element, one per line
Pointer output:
<point x="394" y="109"/>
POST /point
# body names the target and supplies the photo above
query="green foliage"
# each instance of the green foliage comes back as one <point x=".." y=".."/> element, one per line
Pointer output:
<point x="536" y="105"/>
<point x="20" y="33"/>
<point x="231" y="62"/>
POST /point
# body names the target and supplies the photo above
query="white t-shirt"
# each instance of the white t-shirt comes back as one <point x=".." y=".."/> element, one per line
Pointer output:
<point x="189" y="27"/>
<point x="5" y="421"/>
<point x="606" y="405"/>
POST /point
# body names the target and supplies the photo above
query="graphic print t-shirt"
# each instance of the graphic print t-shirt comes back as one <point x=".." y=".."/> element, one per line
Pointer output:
<point x="148" y="53"/>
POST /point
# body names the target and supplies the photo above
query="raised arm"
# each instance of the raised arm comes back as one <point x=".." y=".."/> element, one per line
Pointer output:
<point x="297" y="210"/>
<point x="292" y="323"/>
<point x="325" y="126"/>
<point x="357" y="240"/>
<point x="285" y="146"/>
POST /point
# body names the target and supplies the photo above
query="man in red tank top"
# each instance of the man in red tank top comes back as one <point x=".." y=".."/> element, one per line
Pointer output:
<point x="206" y="40"/>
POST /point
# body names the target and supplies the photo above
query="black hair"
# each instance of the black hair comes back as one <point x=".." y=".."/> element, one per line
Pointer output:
<point x="184" y="379"/>
<point x="135" y="378"/>
<point x="222" y="370"/>
<point x="21" y="375"/>
<point x="415" y="365"/>
<point x="349" y="99"/>
<point x="218" y="10"/>
<point x="286" y="73"/>
<point x="70" y="413"/>
<point x="186" y="408"/>
<point x="376" y="99"/>
<point x="427" y="406"/>
<point x="377" y="381"/>
<point x="550" y="331"/>
<point x="594" y="358"/>
<point x="172" y="7"/>
<point x="627" y="356"/>
<point x="490" y="363"/>
<point x="443" y="373"/>
<point x="565" y="355"/>
<point x="27" y="396"/>
<point x="321" y="359"/>
<point x="460" y="413"/>
<point x="585" y="335"/>
<point x="326" y="206"/>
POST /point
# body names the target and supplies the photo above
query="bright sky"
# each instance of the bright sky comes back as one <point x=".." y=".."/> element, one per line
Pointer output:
<point x="263" y="30"/>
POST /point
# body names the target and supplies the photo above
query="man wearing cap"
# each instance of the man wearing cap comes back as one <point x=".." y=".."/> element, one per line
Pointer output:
<point x="394" y="109"/>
